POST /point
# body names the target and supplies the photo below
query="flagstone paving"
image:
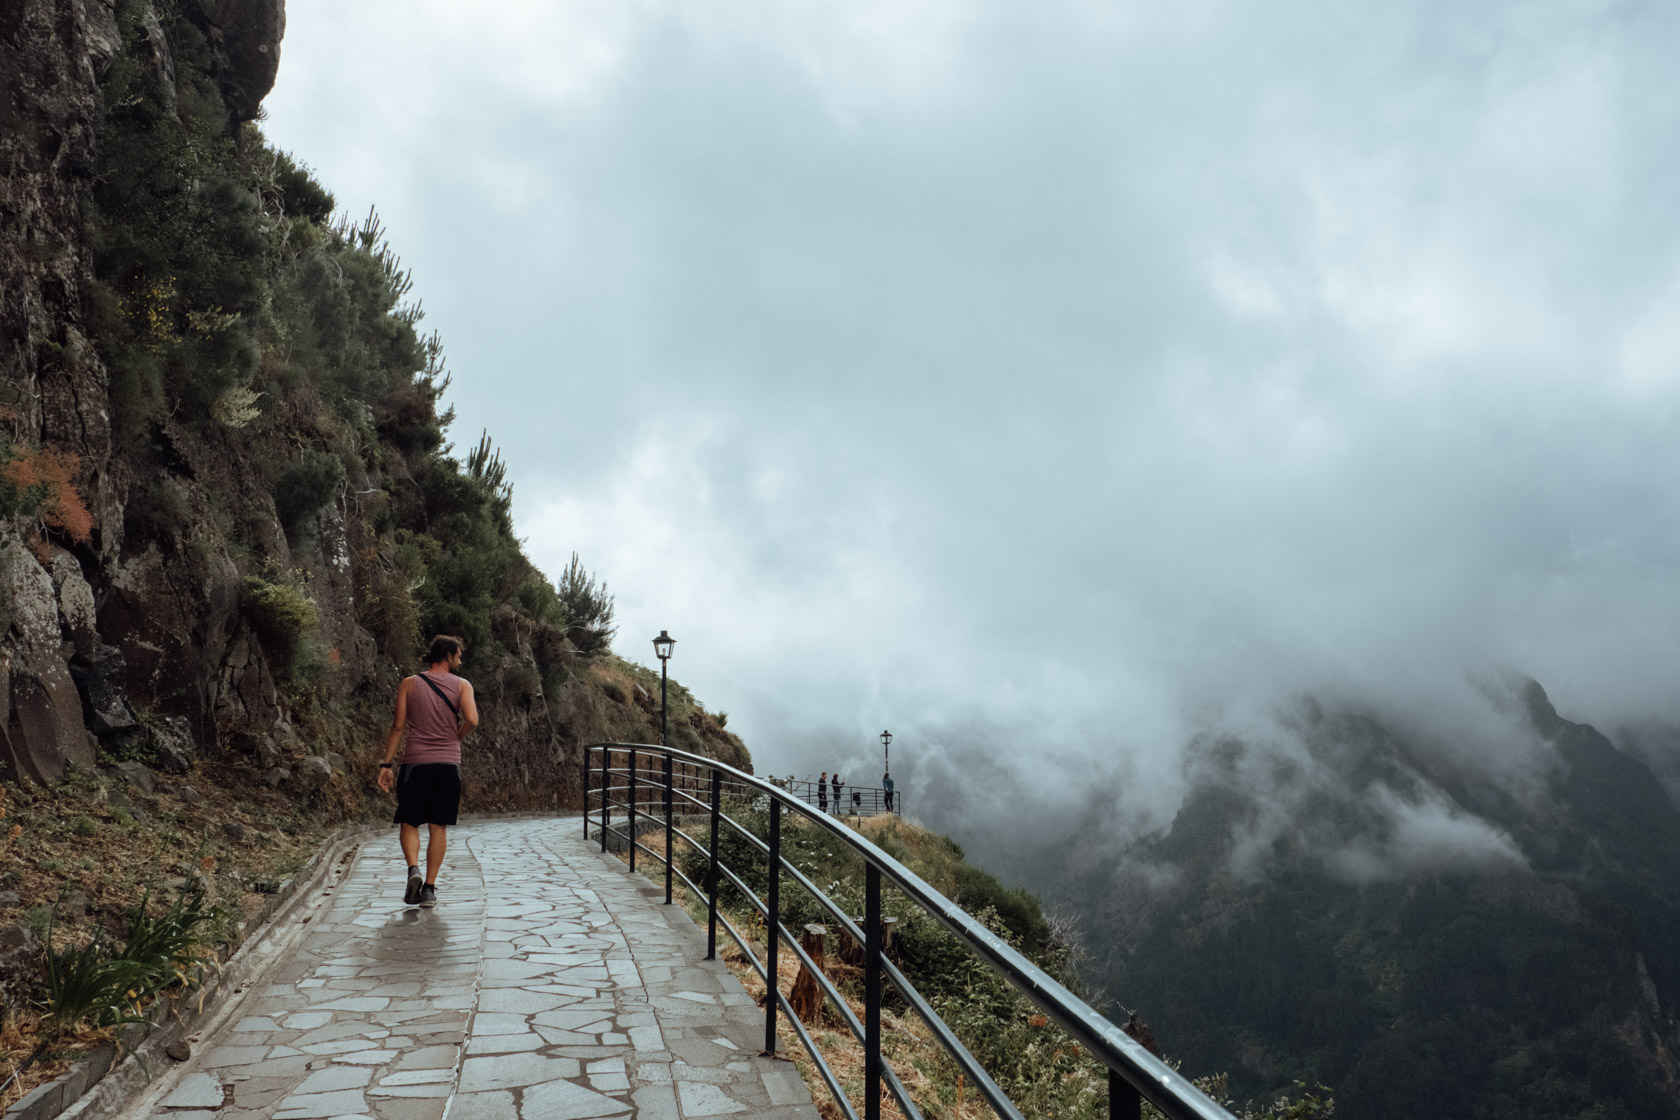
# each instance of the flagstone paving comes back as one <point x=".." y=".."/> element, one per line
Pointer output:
<point x="548" y="984"/>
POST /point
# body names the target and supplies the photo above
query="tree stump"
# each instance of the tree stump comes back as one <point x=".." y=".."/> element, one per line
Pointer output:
<point x="807" y="997"/>
<point x="852" y="953"/>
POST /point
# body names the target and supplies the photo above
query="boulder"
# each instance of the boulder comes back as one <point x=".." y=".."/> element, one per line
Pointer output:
<point x="137" y="774"/>
<point x="170" y="757"/>
<point x="190" y="795"/>
<point x="18" y="940"/>
<point x="102" y="675"/>
<point x="43" y="709"/>
<point x="117" y="799"/>
<point x="276" y="777"/>
<point x="260" y="747"/>
<point x="267" y="753"/>
<point x="10" y="899"/>
<point x="336" y="761"/>
<point x="171" y="745"/>
<point x="234" y="831"/>
<point x="179" y="732"/>
<point x="313" y="773"/>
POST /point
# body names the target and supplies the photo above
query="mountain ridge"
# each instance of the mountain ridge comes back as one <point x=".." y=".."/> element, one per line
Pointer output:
<point x="1494" y="950"/>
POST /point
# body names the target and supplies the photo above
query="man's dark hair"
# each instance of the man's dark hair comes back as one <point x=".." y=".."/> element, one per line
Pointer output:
<point x="443" y="648"/>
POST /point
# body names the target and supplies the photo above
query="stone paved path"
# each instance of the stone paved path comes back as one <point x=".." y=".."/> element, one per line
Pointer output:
<point x="547" y="985"/>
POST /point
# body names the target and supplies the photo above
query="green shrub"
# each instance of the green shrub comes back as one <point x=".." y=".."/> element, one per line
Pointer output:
<point x="158" y="511"/>
<point x="588" y="609"/>
<point x="300" y="194"/>
<point x="96" y="985"/>
<point x="1018" y="909"/>
<point x="390" y="615"/>
<point x="90" y="984"/>
<point x="39" y="919"/>
<point x="175" y="229"/>
<point x="283" y="617"/>
<point x="84" y="825"/>
<point x="305" y="487"/>
<point x="166" y="946"/>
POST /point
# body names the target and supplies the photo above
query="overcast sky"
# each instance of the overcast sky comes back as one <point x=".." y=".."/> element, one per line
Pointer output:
<point x="1050" y="379"/>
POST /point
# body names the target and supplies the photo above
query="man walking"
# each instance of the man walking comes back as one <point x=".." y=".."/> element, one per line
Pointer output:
<point x="887" y="784"/>
<point x="437" y="711"/>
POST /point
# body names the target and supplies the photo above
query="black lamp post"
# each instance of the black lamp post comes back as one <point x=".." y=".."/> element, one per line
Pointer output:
<point x="886" y="749"/>
<point x="662" y="646"/>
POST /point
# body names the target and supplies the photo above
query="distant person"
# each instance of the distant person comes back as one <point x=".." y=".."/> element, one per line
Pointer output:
<point x="834" y="788"/>
<point x="887" y="785"/>
<point x="437" y="711"/>
<point x="822" y="793"/>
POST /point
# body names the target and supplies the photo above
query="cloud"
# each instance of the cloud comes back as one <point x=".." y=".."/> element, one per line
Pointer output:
<point x="1424" y="836"/>
<point x="1053" y="383"/>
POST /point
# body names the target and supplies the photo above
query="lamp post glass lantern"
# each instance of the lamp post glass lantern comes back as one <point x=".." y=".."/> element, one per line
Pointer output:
<point x="662" y="648"/>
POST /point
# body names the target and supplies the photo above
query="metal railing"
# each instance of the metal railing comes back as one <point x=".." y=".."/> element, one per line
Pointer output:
<point x="663" y="778"/>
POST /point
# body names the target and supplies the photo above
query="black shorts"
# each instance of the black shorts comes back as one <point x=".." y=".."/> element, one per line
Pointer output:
<point x="428" y="793"/>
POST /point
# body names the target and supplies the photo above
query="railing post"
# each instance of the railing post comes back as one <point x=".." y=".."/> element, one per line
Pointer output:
<point x="606" y="779"/>
<point x="632" y="808"/>
<point x="872" y="994"/>
<point x="585" y="813"/>
<point x="772" y="927"/>
<point x="670" y="852"/>
<point x="1124" y="1102"/>
<point x="712" y="871"/>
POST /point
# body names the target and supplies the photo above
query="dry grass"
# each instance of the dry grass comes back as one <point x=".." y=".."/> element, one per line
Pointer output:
<point x="79" y="838"/>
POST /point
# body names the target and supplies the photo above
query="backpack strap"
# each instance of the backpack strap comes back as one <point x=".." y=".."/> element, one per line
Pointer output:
<point x="442" y="695"/>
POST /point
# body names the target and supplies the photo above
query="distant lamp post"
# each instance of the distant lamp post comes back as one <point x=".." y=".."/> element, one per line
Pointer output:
<point x="886" y="775"/>
<point x="662" y="646"/>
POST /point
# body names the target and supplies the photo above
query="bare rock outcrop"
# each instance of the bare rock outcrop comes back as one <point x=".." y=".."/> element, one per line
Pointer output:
<point x="246" y="36"/>
<point x="44" y="729"/>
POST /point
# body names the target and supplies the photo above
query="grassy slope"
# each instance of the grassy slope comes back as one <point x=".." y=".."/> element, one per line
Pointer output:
<point x="1042" y="1070"/>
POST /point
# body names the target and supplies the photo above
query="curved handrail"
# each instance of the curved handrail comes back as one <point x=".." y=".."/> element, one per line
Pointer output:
<point x="1127" y="1060"/>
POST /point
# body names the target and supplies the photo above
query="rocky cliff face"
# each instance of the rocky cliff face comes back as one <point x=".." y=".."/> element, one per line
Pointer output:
<point x="229" y="514"/>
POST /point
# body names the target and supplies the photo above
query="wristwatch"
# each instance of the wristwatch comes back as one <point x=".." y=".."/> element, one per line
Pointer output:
<point x="384" y="765"/>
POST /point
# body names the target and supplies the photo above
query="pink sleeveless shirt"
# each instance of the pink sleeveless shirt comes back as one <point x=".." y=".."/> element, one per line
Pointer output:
<point x="432" y="735"/>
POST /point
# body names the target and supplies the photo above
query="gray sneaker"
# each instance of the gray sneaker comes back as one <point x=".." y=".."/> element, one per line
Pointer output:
<point x="415" y="882"/>
<point x="428" y="897"/>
